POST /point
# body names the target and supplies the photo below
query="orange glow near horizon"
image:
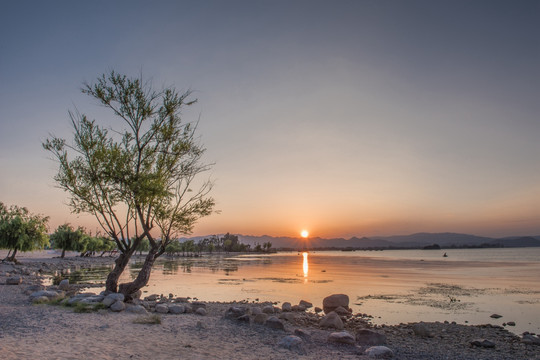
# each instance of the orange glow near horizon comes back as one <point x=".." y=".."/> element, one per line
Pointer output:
<point x="304" y="233"/>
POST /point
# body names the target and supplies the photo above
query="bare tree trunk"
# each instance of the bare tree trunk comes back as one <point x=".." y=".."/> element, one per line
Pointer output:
<point x="129" y="289"/>
<point x="120" y="264"/>
<point x="63" y="253"/>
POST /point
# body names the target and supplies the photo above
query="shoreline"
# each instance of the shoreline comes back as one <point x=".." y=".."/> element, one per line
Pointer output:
<point x="29" y="330"/>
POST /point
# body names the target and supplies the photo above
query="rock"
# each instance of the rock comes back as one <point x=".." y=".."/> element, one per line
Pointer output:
<point x="306" y="336"/>
<point x="334" y="301"/>
<point x="116" y="296"/>
<point x="244" y="318"/>
<point x="530" y="339"/>
<point x="256" y="310"/>
<point x="235" y="312"/>
<point x="260" y="318"/>
<point x="379" y="352"/>
<point x="268" y="309"/>
<point x="331" y="320"/>
<point x="136" y="309"/>
<point x="64" y="285"/>
<point x="483" y="343"/>
<point x="14" y="280"/>
<point x="511" y="323"/>
<point x="496" y="316"/>
<point x="108" y="301"/>
<point x="342" y="337"/>
<point x="92" y="300"/>
<point x="162" y="308"/>
<point x="118" y="306"/>
<point x="286" y="306"/>
<point x="152" y="297"/>
<point x="370" y="337"/>
<point x="341" y="311"/>
<point x="197" y="305"/>
<point x="305" y="304"/>
<point x="274" y="323"/>
<point x="298" y="308"/>
<point x="201" y="311"/>
<point x="289" y="316"/>
<point x="421" y="330"/>
<point x="47" y="293"/>
<point x="177" y="309"/>
<point x="317" y="309"/>
<point x="293" y="343"/>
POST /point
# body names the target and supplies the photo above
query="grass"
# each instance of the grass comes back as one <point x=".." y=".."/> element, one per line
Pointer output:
<point x="87" y="308"/>
<point x="54" y="301"/>
<point x="152" y="319"/>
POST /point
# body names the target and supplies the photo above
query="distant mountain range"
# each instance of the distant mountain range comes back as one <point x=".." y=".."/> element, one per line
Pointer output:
<point x="418" y="240"/>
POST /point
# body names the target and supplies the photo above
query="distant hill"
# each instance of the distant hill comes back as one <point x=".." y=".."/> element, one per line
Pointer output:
<point x="418" y="240"/>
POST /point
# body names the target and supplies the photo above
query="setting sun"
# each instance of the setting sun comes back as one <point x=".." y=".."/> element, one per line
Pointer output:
<point x="304" y="233"/>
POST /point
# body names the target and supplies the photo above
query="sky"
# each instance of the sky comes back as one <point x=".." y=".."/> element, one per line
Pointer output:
<point x="346" y="118"/>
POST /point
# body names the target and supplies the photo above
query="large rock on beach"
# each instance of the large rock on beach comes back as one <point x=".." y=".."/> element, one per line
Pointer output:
<point x="274" y="323"/>
<point x="530" y="339"/>
<point x="64" y="285"/>
<point x="485" y="343"/>
<point x="201" y="311"/>
<point x="260" y="318"/>
<point x="305" y="304"/>
<point x="341" y="337"/>
<point x="293" y="343"/>
<point x="286" y="306"/>
<point x="47" y="293"/>
<point x="118" y="306"/>
<point x="177" y="309"/>
<point x="112" y="298"/>
<point x="331" y="320"/>
<point x="234" y="312"/>
<point x="197" y="305"/>
<point x="370" y="337"/>
<point x="14" y="280"/>
<point x="268" y="309"/>
<point x="256" y="310"/>
<point x="162" y="308"/>
<point x="379" y="352"/>
<point x="332" y="302"/>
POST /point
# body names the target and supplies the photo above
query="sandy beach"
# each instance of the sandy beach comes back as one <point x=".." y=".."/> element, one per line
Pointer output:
<point x="43" y="331"/>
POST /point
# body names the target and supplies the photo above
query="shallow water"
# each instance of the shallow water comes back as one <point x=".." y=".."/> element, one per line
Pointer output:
<point x="394" y="286"/>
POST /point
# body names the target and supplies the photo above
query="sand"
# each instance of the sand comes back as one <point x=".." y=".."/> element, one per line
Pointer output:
<point x="30" y="331"/>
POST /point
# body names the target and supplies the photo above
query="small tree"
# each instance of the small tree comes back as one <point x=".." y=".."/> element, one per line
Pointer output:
<point x="139" y="179"/>
<point x="21" y="231"/>
<point x="67" y="238"/>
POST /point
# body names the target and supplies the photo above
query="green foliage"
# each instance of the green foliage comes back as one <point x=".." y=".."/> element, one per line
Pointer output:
<point x="144" y="245"/>
<point x="21" y="231"/>
<point x="67" y="238"/>
<point x="152" y="319"/>
<point x="86" y="308"/>
<point x="140" y="175"/>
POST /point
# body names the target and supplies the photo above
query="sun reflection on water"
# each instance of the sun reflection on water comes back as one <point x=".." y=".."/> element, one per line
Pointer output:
<point x="305" y="266"/>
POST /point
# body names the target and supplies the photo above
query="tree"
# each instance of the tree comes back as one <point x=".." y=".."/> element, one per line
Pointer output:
<point x="138" y="180"/>
<point x="21" y="231"/>
<point x="67" y="238"/>
<point x="144" y="245"/>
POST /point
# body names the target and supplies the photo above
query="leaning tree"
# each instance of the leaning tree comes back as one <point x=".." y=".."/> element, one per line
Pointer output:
<point x="139" y="179"/>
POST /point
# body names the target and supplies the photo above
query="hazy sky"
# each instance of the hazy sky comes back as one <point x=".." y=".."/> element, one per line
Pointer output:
<point x="343" y="117"/>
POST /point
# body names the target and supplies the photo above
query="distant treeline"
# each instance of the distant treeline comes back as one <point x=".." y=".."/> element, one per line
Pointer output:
<point x="227" y="243"/>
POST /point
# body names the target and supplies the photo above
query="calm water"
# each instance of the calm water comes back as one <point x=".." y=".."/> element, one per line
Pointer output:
<point x="394" y="286"/>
